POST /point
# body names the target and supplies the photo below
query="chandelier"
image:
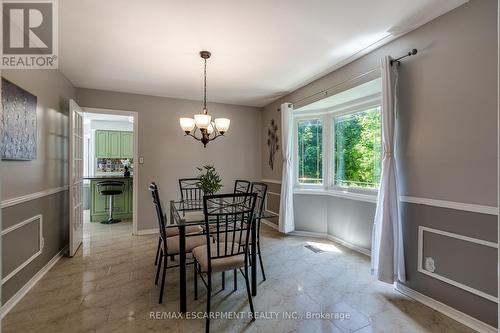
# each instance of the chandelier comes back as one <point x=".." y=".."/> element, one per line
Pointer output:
<point x="208" y="130"/>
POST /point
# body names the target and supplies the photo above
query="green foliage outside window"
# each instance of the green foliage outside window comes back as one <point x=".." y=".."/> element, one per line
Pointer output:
<point x="310" y="151"/>
<point x="358" y="149"/>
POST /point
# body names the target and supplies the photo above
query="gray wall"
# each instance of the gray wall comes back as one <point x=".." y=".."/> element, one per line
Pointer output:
<point x="48" y="171"/>
<point x="169" y="155"/>
<point x="448" y="145"/>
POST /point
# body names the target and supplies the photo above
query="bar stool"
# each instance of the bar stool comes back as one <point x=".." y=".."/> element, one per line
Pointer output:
<point x="110" y="188"/>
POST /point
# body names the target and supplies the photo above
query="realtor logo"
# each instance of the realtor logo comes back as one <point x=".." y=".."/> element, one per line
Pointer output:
<point x="29" y="31"/>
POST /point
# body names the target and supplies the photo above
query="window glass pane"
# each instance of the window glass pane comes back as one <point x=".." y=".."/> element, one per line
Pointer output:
<point x="310" y="145"/>
<point x="357" y="148"/>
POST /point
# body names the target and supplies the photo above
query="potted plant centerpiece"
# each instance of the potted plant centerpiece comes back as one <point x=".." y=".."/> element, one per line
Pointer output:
<point x="210" y="180"/>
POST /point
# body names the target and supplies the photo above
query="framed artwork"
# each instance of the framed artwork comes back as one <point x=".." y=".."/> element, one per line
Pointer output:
<point x="18" y="127"/>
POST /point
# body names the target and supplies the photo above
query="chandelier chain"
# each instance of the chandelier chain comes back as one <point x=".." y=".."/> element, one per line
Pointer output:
<point x="205" y="88"/>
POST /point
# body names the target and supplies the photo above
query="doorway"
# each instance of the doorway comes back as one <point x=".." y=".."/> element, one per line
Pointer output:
<point x="110" y="141"/>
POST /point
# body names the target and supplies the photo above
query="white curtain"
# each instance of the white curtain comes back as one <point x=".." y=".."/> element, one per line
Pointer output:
<point x="387" y="260"/>
<point x="286" y="223"/>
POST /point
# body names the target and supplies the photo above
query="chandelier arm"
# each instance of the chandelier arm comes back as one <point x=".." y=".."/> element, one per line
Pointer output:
<point x="216" y="136"/>
<point x="189" y="134"/>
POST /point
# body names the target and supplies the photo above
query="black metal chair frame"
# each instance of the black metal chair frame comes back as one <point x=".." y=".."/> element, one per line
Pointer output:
<point x="241" y="186"/>
<point x="261" y="190"/>
<point x="162" y="255"/>
<point x="190" y="191"/>
<point x="235" y="219"/>
<point x="108" y="186"/>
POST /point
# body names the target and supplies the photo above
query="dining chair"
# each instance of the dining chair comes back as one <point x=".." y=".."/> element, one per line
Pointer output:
<point x="191" y="190"/>
<point x="231" y="214"/>
<point x="170" y="232"/>
<point x="260" y="189"/>
<point x="241" y="186"/>
<point x="169" y="245"/>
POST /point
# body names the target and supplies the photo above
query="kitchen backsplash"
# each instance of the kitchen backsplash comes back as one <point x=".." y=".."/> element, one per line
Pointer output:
<point x="113" y="165"/>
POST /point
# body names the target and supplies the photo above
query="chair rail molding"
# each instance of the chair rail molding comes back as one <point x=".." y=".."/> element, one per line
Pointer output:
<point x="267" y="209"/>
<point x="273" y="181"/>
<point x="420" y="268"/>
<point x="481" y="209"/>
<point x="16" y="226"/>
<point x="24" y="198"/>
<point x="489" y="210"/>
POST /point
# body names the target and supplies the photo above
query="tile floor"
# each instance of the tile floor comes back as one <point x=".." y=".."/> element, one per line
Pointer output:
<point x="109" y="287"/>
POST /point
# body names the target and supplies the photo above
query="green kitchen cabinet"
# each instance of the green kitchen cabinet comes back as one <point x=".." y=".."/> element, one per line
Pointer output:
<point x="114" y="144"/>
<point x="127" y="144"/>
<point x="115" y="147"/>
<point x="101" y="144"/>
<point x="122" y="204"/>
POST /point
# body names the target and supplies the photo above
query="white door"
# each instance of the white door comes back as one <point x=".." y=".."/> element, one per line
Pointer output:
<point x="75" y="177"/>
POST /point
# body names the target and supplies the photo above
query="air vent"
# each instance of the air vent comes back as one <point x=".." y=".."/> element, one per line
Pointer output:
<point x="313" y="248"/>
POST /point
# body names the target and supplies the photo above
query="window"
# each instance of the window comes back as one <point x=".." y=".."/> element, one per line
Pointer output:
<point x="310" y="151"/>
<point x="357" y="148"/>
<point x="338" y="142"/>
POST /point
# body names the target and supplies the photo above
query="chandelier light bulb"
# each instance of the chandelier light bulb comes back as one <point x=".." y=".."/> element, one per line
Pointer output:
<point x="222" y="124"/>
<point x="187" y="124"/>
<point x="202" y="120"/>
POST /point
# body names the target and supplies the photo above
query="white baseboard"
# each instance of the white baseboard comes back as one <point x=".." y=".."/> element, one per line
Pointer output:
<point x="31" y="283"/>
<point x="308" y="234"/>
<point x="447" y="310"/>
<point x="350" y="245"/>
<point x="333" y="239"/>
<point x="270" y="224"/>
<point x="147" y="232"/>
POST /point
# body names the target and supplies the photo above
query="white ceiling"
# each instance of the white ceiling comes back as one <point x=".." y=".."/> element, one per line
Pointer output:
<point x="261" y="49"/>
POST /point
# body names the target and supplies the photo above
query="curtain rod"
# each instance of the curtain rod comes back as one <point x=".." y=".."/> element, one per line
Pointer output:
<point x="410" y="53"/>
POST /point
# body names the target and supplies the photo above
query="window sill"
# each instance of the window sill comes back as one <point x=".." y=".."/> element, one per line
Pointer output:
<point x="339" y="194"/>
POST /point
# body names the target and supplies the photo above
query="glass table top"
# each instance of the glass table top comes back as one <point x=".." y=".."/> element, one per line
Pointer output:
<point x="190" y="212"/>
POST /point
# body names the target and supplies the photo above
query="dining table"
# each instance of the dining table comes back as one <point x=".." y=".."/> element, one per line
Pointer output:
<point x="178" y="210"/>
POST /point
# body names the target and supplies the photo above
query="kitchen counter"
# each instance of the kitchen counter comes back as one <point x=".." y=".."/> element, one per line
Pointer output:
<point x="122" y="203"/>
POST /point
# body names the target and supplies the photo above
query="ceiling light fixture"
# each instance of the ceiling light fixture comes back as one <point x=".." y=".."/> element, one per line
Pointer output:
<point x="209" y="129"/>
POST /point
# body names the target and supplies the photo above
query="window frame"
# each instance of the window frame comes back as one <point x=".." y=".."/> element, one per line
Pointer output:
<point x="327" y="116"/>
<point x="296" y="151"/>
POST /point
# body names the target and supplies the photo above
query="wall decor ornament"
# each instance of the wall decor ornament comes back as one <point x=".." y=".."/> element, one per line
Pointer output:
<point x="272" y="142"/>
<point x="18" y="127"/>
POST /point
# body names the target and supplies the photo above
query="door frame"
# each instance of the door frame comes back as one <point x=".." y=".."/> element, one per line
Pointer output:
<point x="135" y="115"/>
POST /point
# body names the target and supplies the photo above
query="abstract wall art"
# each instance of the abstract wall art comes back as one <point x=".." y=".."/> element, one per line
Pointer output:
<point x="18" y="128"/>
<point x="272" y="142"/>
